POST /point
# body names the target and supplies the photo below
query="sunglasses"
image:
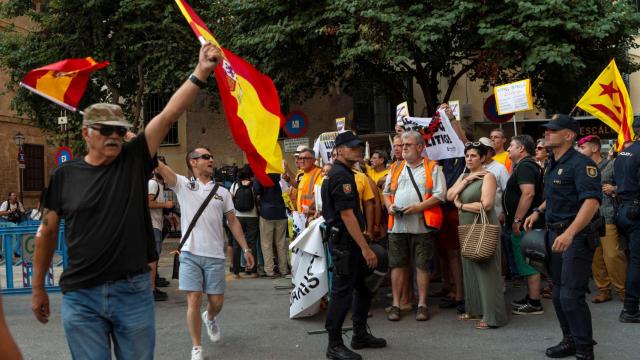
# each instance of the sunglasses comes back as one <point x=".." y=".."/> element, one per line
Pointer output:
<point x="473" y="144"/>
<point x="305" y="158"/>
<point x="107" y="130"/>
<point x="539" y="147"/>
<point x="202" y="156"/>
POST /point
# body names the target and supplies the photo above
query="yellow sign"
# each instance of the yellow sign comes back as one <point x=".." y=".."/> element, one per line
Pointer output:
<point x="513" y="97"/>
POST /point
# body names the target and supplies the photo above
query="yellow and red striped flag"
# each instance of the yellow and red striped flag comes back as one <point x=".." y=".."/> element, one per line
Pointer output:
<point x="63" y="82"/>
<point x="250" y="101"/>
<point x="608" y="100"/>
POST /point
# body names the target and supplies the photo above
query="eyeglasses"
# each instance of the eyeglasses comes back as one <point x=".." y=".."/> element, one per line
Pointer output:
<point x="539" y="147"/>
<point x="202" y="156"/>
<point x="408" y="145"/>
<point x="107" y="130"/>
<point x="305" y="158"/>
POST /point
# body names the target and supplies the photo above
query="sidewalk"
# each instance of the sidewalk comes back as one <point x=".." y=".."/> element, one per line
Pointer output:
<point x="255" y="325"/>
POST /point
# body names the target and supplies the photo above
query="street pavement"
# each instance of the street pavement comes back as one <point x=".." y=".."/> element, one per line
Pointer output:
<point x="255" y="324"/>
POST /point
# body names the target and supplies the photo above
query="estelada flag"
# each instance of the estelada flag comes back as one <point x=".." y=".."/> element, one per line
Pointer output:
<point x="63" y="82"/>
<point x="250" y="101"/>
<point x="608" y="100"/>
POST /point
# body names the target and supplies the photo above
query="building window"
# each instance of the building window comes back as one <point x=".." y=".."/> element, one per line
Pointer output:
<point x="374" y="111"/>
<point x="153" y="105"/>
<point x="33" y="177"/>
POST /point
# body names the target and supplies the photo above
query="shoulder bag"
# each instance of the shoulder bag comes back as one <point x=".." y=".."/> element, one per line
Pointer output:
<point x="479" y="240"/>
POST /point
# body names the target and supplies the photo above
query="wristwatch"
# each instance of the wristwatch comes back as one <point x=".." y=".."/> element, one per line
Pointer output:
<point x="199" y="83"/>
<point x="537" y="210"/>
<point x="247" y="250"/>
<point x="517" y="221"/>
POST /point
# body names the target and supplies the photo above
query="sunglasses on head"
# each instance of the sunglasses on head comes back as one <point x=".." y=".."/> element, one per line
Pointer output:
<point x="107" y="130"/>
<point x="202" y="156"/>
<point x="473" y="144"/>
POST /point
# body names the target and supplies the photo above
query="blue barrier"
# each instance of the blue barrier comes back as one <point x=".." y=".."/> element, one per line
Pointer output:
<point x="24" y="235"/>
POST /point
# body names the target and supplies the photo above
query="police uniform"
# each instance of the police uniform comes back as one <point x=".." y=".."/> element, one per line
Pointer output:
<point x="568" y="182"/>
<point x="349" y="266"/>
<point x="627" y="179"/>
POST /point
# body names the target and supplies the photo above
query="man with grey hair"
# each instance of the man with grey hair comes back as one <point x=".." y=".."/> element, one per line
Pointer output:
<point x="102" y="197"/>
<point x="413" y="193"/>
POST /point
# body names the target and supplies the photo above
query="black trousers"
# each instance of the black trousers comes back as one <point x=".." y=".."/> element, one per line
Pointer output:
<point x="348" y="291"/>
<point x="570" y="272"/>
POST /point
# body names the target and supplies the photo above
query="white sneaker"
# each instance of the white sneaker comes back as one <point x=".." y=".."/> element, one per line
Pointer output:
<point x="213" y="329"/>
<point x="196" y="353"/>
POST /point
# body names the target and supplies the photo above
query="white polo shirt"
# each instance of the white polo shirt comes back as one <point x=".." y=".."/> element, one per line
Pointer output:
<point x="207" y="236"/>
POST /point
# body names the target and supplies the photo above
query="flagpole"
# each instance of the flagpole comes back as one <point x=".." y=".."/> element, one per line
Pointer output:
<point x="515" y="128"/>
<point x="574" y="109"/>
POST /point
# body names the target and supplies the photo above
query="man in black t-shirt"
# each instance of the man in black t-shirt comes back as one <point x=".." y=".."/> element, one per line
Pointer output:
<point x="522" y="195"/>
<point x="103" y="199"/>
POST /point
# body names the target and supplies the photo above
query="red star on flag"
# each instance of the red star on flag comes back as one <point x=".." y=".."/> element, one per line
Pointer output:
<point x="609" y="90"/>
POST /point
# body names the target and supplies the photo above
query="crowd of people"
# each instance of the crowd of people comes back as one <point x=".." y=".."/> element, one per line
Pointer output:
<point x="418" y="209"/>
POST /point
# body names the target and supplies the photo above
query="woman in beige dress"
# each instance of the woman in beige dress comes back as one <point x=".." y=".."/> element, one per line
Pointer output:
<point x="483" y="284"/>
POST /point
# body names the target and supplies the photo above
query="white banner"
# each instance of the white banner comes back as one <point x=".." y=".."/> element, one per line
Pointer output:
<point x="324" y="144"/>
<point x="309" y="268"/>
<point x="444" y="143"/>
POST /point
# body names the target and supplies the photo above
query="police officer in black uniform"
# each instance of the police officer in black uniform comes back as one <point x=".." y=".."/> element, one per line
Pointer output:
<point x="350" y="252"/>
<point x="572" y="197"/>
<point x="627" y="179"/>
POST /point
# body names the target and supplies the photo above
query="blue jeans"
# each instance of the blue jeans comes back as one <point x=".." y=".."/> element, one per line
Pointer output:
<point x="120" y="311"/>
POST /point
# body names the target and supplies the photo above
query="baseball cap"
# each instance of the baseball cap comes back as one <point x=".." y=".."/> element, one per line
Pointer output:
<point x="105" y="114"/>
<point x="486" y="142"/>
<point x="299" y="150"/>
<point x="561" y="121"/>
<point x="589" y="138"/>
<point x="348" y="139"/>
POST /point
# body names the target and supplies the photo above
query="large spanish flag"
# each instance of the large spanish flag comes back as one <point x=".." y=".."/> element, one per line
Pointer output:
<point x="608" y="100"/>
<point x="63" y="82"/>
<point x="250" y="101"/>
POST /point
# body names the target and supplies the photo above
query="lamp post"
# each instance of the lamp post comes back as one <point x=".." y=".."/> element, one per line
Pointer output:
<point x="19" y="139"/>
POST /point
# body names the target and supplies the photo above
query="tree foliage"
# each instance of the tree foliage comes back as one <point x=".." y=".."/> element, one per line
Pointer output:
<point x="307" y="46"/>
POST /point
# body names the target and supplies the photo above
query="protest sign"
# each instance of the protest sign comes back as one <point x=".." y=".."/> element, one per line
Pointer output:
<point x="444" y="143"/>
<point x="513" y="97"/>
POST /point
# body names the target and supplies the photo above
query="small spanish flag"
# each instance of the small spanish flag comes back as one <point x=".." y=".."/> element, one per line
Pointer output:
<point x="63" y="82"/>
<point x="250" y="101"/>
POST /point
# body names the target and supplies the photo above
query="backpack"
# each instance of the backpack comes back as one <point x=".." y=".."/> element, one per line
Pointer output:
<point x="244" y="200"/>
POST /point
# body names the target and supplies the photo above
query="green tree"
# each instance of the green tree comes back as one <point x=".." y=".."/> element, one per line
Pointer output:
<point x="307" y="46"/>
<point x="147" y="42"/>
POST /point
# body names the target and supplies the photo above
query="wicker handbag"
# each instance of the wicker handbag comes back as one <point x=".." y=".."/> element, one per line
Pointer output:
<point x="479" y="240"/>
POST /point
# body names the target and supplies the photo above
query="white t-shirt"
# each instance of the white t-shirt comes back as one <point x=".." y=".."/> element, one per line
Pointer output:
<point x="6" y="206"/>
<point x="502" y="176"/>
<point x="156" y="214"/>
<point x="251" y="213"/>
<point x="207" y="237"/>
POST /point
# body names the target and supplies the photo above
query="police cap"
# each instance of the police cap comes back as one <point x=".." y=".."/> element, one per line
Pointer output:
<point x="348" y="139"/>
<point x="561" y="121"/>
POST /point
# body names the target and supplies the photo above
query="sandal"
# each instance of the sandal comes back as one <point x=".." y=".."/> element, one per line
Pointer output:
<point x="481" y="325"/>
<point x="465" y="317"/>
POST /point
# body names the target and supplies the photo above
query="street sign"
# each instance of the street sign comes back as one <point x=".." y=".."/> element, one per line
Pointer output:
<point x="290" y="145"/>
<point x="63" y="154"/>
<point x="296" y="125"/>
<point x="491" y="112"/>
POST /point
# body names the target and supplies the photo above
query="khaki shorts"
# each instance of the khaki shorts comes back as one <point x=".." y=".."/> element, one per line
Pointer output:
<point x="407" y="248"/>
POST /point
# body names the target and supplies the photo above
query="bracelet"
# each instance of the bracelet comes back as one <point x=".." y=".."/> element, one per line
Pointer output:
<point x="537" y="210"/>
<point x="199" y="83"/>
<point x="247" y="250"/>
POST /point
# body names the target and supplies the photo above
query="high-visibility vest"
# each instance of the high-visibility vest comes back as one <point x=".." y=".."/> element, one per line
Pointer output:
<point x="432" y="215"/>
<point x="305" y="194"/>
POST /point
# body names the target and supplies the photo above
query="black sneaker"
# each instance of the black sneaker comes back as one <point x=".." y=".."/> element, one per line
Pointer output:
<point x="528" y="309"/>
<point x="367" y="340"/>
<point x="160" y="295"/>
<point x="518" y="303"/>
<point x="162" y="282"/>
<point x="626" y="317"/>
<point x="565" y="348"/>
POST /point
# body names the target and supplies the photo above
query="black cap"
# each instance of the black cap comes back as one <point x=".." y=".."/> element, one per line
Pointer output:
<point x="561" y="121"/>
<point x="348" y="139"/>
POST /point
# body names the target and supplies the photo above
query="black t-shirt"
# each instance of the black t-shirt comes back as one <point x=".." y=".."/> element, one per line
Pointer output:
<point x="526" y="171"/>
<point x="339" y="192"/>
<point x="107" y="221"/>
